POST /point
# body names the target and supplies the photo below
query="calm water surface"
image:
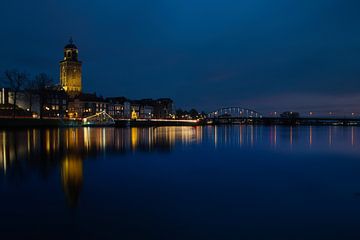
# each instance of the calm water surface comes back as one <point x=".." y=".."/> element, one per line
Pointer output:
<point x="226" y="182"/>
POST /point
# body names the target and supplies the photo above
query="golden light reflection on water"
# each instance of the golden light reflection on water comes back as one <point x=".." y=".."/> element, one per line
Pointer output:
<point x="86" y="141"/>
<point x="3" y="152"/>
<point x="134" y="138"/>
<point x="72" y="177"/>
<point x="69" y="147"/>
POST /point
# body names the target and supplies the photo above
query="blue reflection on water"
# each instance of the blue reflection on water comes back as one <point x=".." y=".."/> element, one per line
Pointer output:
<point x="220" y="182"/>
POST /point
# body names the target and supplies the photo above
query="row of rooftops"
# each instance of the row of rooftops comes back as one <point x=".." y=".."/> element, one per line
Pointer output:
<point x="92" y="97"/>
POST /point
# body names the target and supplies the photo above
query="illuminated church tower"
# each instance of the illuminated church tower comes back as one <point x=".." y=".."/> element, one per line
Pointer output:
<point x="70" y="70"/>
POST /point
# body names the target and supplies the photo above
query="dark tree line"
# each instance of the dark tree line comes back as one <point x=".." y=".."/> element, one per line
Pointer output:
<point x="19" y="81"/>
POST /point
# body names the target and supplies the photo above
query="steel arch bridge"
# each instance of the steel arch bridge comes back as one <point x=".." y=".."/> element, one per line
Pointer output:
<point x="234" y="112"/>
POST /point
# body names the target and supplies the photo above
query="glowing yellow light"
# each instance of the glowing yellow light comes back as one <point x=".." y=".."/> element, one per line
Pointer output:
<point x="133" y="114"/>
<point x="134" y="137"/>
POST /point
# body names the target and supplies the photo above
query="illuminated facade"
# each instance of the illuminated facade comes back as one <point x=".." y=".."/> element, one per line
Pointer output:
<point x="123" y="108"/>
<point x="86" y="104"/>
<point x="70" y="70"/>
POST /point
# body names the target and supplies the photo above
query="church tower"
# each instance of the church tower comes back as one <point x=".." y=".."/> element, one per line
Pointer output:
<point x="70" y="70"/>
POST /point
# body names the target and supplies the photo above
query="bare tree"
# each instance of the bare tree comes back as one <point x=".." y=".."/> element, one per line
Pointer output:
<point x="42" y="83"/>
<point x="30" y="90"/>
<point x="15" y="81"/>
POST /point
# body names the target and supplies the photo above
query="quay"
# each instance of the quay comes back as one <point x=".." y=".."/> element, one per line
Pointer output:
<point x="66" y="122"/>
<point x="53" y="122"/>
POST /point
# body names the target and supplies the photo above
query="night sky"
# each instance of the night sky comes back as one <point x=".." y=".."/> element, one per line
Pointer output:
<point x="270" y="55"/>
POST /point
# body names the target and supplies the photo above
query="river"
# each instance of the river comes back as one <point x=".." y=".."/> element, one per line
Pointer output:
<point x="215" y="182"/>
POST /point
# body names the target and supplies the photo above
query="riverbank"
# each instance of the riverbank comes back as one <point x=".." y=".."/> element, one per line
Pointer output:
<point x="155" y="123"/>
<point x="34" y="122"/>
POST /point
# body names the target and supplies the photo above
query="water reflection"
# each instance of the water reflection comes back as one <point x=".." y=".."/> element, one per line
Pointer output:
<point x="283" y="137"/>
<point x="49" y="150"/>
<point x="72" y="177"/>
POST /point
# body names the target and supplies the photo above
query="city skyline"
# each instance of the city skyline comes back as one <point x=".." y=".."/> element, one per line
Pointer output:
<point x="180" y="119"/>
<point x="256" y="54"/>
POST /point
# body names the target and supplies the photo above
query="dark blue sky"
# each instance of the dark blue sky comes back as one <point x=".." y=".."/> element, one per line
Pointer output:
<point x="270" y="55"/>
